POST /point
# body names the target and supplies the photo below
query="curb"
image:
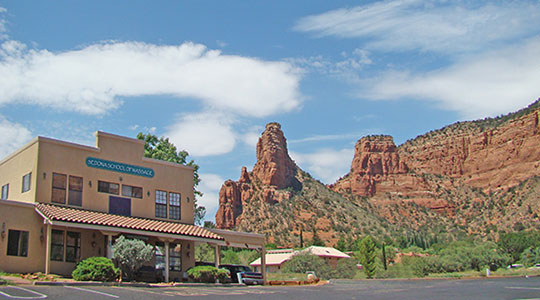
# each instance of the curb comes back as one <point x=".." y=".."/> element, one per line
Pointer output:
<point x="131" y="284"/>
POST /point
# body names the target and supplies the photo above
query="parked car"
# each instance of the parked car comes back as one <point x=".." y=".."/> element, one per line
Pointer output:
<point x="243" y="274"/>
<point x="515" y="266"/>
<point x="535" y="267"/>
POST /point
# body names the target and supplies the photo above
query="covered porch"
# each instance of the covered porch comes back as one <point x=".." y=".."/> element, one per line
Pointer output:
<point x="90" y="233"/>
<point x="95" y="231"/>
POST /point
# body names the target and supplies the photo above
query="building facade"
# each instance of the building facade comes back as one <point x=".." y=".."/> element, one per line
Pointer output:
<point x="63" y="202"/>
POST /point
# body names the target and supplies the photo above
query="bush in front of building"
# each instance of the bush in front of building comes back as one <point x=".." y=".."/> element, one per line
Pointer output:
<point x="207" y="274"/>
<point x="303" y="262"/>
<point x="131" y="254"/>
<point x="95" y="269"/>
<point x="346" y="268"/>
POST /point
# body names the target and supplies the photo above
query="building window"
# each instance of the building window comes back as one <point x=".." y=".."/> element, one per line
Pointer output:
<point x="17" y="243"/>
<point x="175" y="257"/>
<point x="57" y="245"/>
<point x="132" y="191"/>
<point x="5" y="191"/>
<point x="161" y="204"/>
<point x="26" y="182"/>
<point x="73" y="246"/>
<point x="75" y="190"/>
<point x="108" y="187"/>
<point x="174" y="206"/>
<point x="120" y="206"/>
<point x="58" y="188"/>
<point x="159" y="252"/>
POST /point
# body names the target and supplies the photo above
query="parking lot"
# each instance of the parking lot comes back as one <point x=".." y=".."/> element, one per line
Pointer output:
<point x="501" y="288"/>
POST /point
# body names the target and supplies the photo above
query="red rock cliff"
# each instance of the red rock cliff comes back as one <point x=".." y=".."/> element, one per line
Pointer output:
<point x="375" y="160"/>
<point x="490" y="154"/>
<point x="274" y="170"/>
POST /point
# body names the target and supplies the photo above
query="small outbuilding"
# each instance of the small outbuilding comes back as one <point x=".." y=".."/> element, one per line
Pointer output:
<point x="276" y="258"/>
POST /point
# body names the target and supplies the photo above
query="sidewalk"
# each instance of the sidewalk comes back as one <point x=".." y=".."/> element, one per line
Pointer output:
<point x="16" y="280"/>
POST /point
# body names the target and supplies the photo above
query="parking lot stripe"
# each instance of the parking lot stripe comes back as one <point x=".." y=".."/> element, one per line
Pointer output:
<point x="522" y="288"/>
<point x="40" y="295"/>
<point x="143" y="290"/>
<point x="92" y="291"/>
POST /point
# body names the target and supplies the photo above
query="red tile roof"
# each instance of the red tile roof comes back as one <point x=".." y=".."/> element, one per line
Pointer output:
<point x="77" y="215"/>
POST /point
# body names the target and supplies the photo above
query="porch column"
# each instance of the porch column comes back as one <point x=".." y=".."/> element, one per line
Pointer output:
<point x="109" y="246"/>
<point x="217" y="256"/>
<point x="263" y="263"/>
<point x="167" y="261"/>
<point x="48" y="228"/>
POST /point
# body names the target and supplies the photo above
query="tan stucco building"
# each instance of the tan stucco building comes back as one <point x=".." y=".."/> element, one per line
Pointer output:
<point x="63" y="202"/>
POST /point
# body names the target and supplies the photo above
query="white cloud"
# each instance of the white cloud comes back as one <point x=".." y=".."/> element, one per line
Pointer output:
<point x="326" y="164"/>
<point x="343" y="68"/>
<point x="251" y="136"/>
<point x="3" y="28"/>
<point x="441" y="26"/>
<point x="203" y="134"/>
<point x="210" y="186"/>
<point x="13" y="135"/>
<point x="483" y="85"/>
<point x="91" y="80"/>
<point x="333" y="137"/>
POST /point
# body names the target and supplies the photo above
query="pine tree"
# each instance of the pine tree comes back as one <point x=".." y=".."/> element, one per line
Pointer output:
<point x="367" y="255"/>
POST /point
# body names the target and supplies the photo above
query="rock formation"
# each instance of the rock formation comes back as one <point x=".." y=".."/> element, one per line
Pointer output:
<point x="477" y="177"/>
<point x="490" y="154"/>
<point x="274" y="170"/>
<point x="274" y="166"/>
<point x="375" y="160"/>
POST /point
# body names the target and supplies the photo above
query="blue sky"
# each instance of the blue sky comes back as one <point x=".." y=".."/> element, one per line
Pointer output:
<point x="211" y="74"/>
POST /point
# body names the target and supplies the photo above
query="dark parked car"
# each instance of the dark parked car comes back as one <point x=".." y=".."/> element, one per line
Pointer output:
<point x="243" y="274"/>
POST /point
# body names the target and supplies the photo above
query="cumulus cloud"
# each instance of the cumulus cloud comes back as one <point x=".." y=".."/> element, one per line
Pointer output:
<point x="478" y="86"/>
<point x="13" y="135"/>
<point x="210" y="186"/>
<point x="203" y="134"/>
<point x="325" y="164"/>
<point x="92" y="80"/>
<point x="441" y="26"/>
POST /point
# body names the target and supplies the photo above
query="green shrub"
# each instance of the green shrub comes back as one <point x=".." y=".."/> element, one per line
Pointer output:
<point x="95" y="269"/>
<point x="131" y="254"/>
<point x="346" y="268"/>
<point x="207" y="274"/>
<point x="302" y="262"/>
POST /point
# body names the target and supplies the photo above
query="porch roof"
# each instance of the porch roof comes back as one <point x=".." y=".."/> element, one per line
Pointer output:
<point x="82" y="218"/>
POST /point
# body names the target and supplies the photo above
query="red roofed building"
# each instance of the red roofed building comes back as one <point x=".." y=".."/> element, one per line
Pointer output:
<point x="63" y="202"/>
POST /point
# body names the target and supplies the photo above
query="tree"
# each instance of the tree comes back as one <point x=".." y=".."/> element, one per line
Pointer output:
<point x="316" y="241"/>
<point x="341" y="244"/>
<point x="131" y="255"/>
<point x="204" y="253"/>
<point x="162" y="149"/>
<point x="530" y="256"/>
<point x="305" y="261"/>
<point x="346" y="268"/>
<point x="367" y="255"/>
<point x="514" y="243"/>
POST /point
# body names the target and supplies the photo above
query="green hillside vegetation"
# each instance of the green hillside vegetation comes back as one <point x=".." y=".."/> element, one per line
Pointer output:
<point x="313" y="209"/>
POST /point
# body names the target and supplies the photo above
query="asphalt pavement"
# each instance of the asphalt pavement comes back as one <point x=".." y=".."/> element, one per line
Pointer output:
<point x="493" y="288"/>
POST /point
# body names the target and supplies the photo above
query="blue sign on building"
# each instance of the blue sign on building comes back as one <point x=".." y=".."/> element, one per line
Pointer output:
<point x="119" y="167"/>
